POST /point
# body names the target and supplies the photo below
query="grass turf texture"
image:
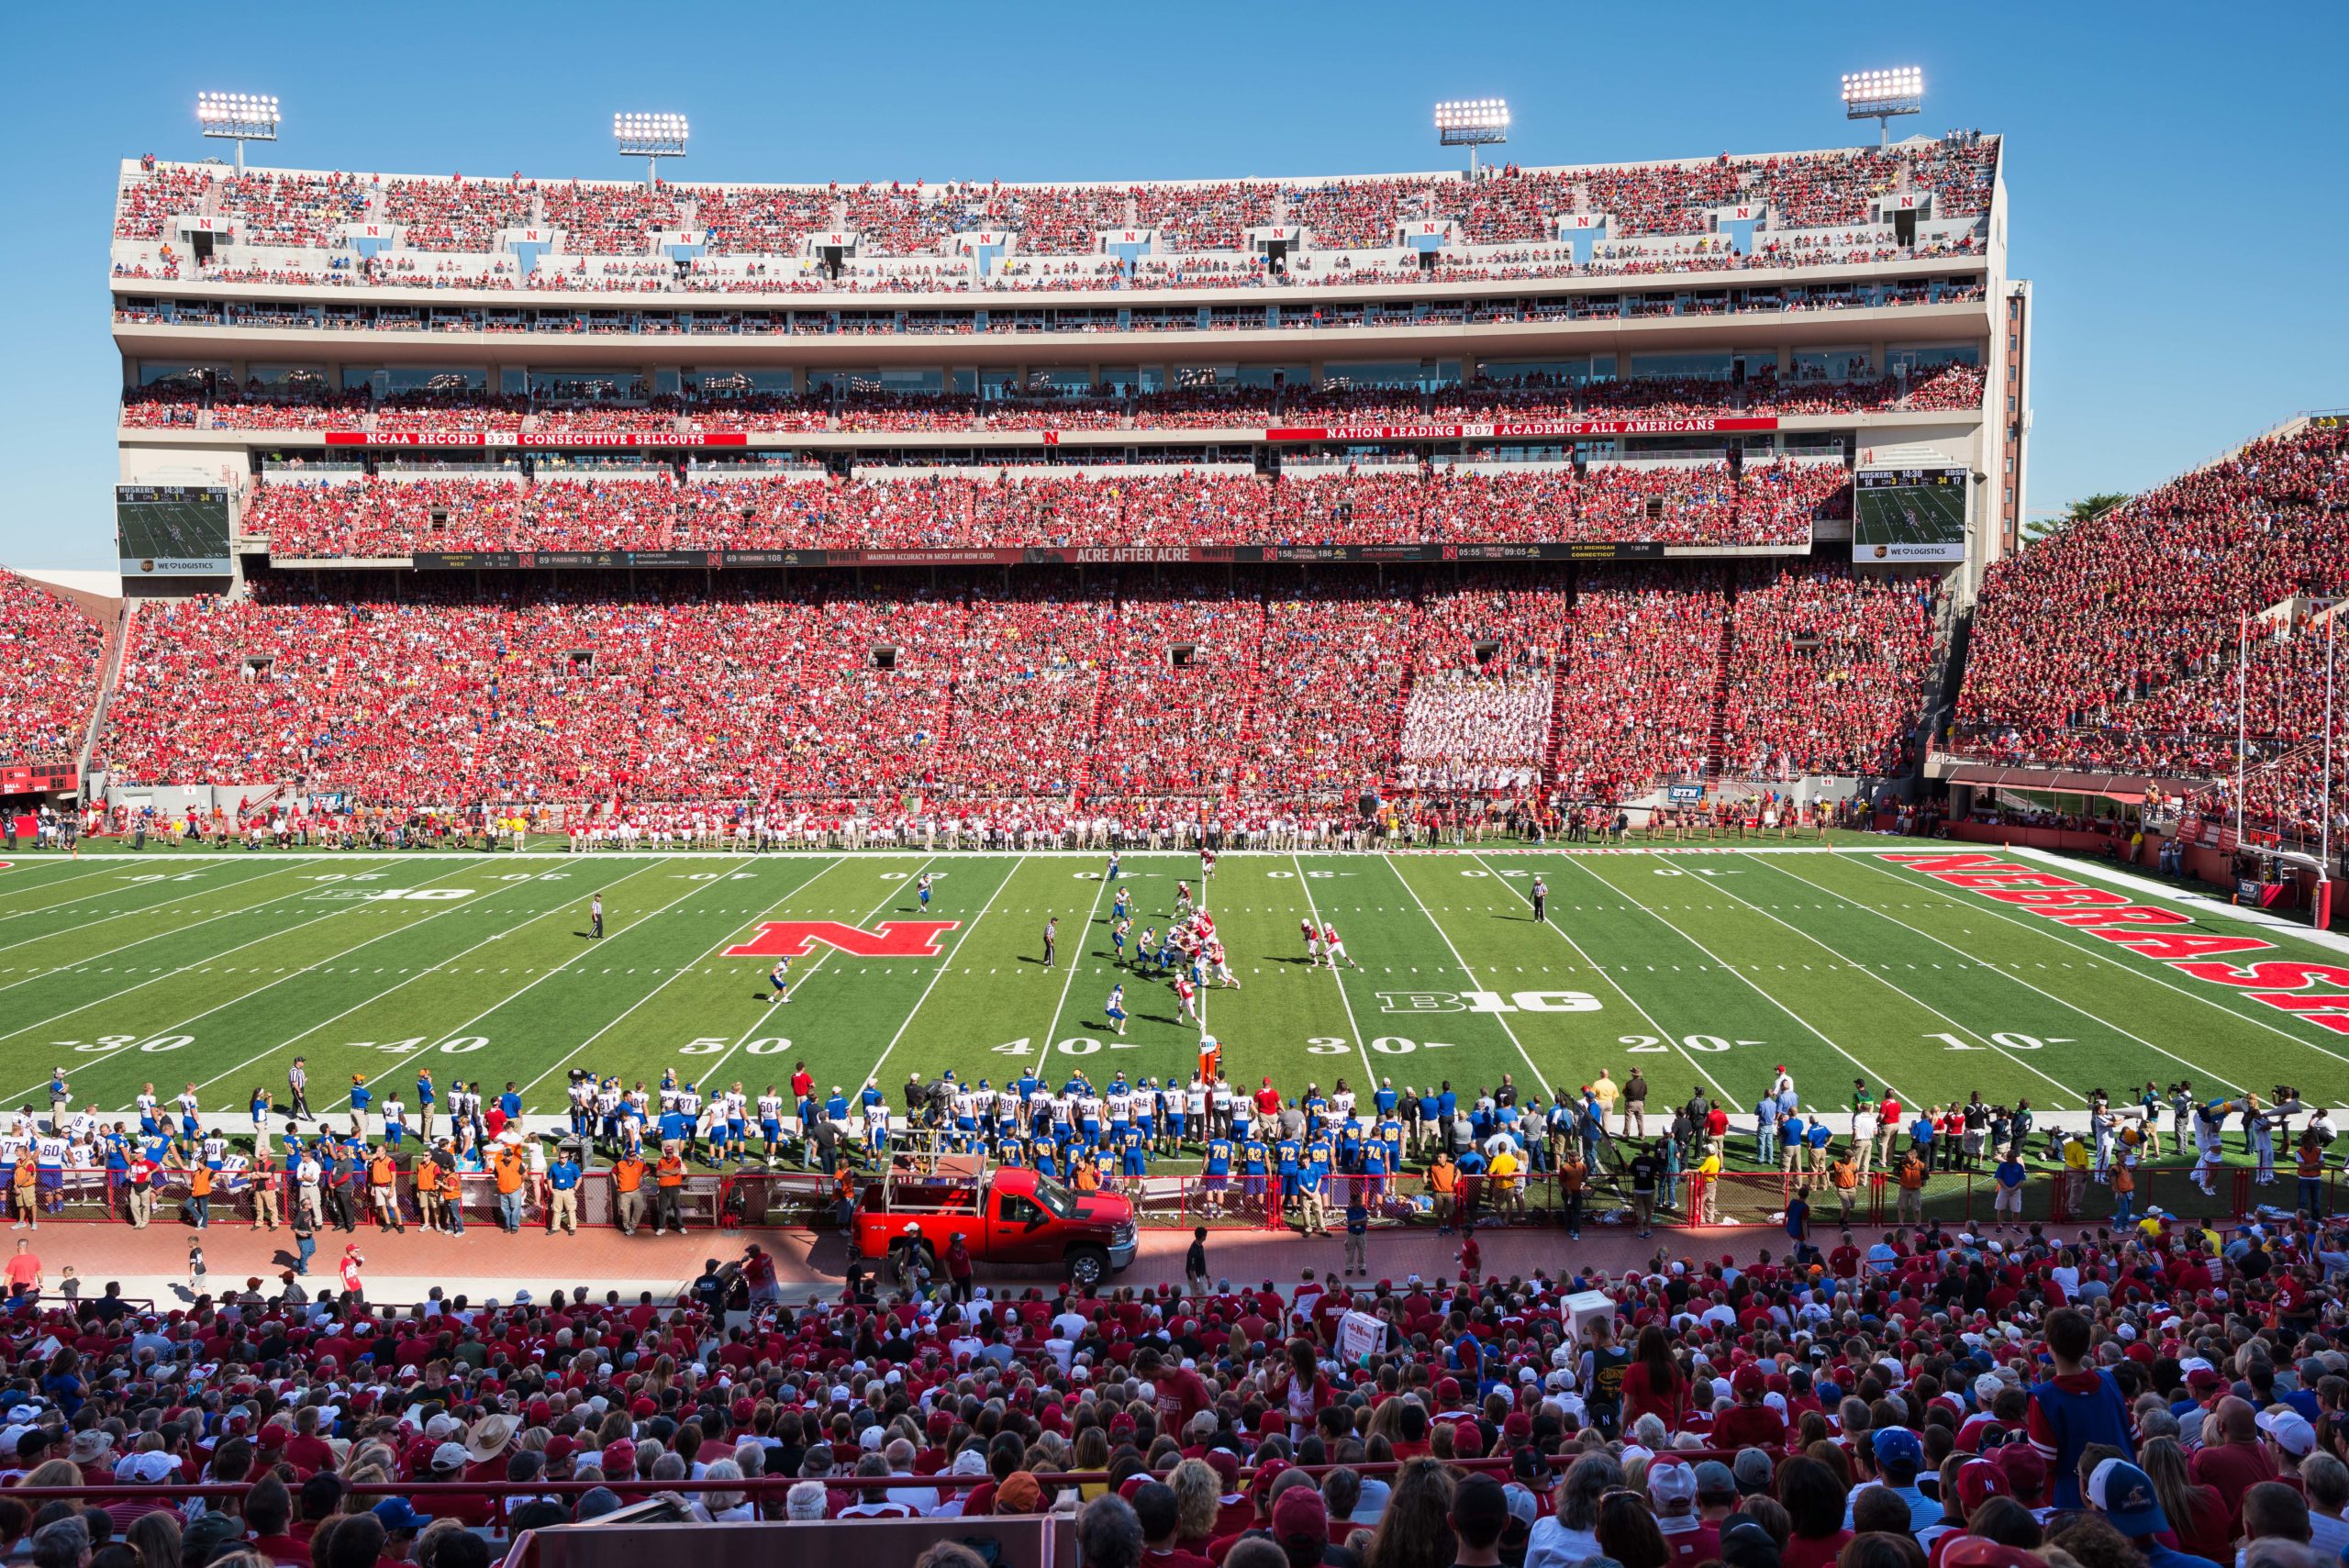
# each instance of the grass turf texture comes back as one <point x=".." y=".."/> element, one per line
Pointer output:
<point x="1708" y="967"/>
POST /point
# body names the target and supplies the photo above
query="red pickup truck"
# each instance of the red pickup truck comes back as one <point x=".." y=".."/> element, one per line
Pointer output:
<point x="1005" y="1214"/>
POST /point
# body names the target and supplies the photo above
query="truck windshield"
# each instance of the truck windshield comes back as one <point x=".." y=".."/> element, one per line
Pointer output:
<point x="1057" y="1199"/>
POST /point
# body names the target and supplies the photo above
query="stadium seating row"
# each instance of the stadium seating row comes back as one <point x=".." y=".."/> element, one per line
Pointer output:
<point x="1686" y="503"/>
<point x="1183" y="689"/>
<point x="1048" y="274"/>
<point x="2112" y="644"/>
<point x="53" y="653"/>
<point x="1509" y="206"/>
<point x="175" y="404"/>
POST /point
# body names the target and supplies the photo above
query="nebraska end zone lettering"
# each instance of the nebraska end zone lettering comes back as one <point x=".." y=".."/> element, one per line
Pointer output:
<point x="890" y="938"/>
<point x="2143" y="929"/>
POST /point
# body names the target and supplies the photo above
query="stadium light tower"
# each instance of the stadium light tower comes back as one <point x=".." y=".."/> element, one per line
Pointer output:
<point x="1879" y="94"/>
<point x="240" y="118"/>
<point x="650" y="138"/>
<point x="1472" y="123"/>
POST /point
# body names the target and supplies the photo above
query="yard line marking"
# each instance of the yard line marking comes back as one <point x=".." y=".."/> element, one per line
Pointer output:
<point x="164" y="975"/>
<point x="14" y="885"/>
<point x="766" y="1015"/>
<point x="1876" y="974"/>
<point x="1622" y="990"/>
<point x="873" y="1077"/>
<point x="85" y="898"/>
<point x="164" y="903"/>
<point x="679" y="973"/>
<point x="1530" y="1067"/>
<point x="1728" y="968"/>
<point x="1084" y="935"/>
<point x="83" y="959"/>
<point x="2073" y="1006"/>
<point x="434" y="969"/>
<point x="1361" y="1045"/>
<point x="2057" y="931"/>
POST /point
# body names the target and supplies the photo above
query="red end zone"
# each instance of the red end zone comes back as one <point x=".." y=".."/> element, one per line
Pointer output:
<point x="2146" y="928"/>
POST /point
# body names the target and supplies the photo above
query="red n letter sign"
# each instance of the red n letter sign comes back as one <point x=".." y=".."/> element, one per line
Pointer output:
<point x="890" y="938"/>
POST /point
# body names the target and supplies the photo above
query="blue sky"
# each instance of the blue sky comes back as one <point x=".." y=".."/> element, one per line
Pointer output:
<point x="2175" y="178"/>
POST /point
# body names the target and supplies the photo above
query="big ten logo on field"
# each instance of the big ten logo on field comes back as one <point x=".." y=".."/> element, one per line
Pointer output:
<point x="1487" y="1002"/>
<point x="890" y="938"/>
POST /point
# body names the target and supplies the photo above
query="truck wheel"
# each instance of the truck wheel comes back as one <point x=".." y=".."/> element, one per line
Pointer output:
<point x="1088" y="1266"/>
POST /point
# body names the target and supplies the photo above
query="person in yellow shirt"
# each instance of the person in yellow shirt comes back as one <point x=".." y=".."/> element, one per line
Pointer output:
<point x="1707" y="1185"/>
<point x="1509" y="1192"/>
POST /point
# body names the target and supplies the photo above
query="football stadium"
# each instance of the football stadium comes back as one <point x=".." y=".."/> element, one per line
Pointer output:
<point x="1395" y="867"/>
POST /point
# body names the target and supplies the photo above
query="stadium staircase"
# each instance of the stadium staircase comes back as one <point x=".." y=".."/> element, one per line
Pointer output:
<point x="1951" y="638"/>
<point x="1717" y="727"/>
<point x="109" y="670"/>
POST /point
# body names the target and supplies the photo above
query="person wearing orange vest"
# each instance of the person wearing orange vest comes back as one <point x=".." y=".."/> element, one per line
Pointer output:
<point x="385" y="1198"/>
<point x="627" y="1181"/>
<point x="199" y="1194"/>
<point x="669" y="1177"/>
<point x="507" y="1166"/>
<point x="428" y="1191"/>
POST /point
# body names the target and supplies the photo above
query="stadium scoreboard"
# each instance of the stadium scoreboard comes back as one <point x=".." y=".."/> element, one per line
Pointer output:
<point x="1908" y="514"/>
<point x="172" y="530"/>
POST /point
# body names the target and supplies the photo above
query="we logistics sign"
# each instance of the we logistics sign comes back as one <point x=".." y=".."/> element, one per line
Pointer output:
<point x="2284" y="984"/>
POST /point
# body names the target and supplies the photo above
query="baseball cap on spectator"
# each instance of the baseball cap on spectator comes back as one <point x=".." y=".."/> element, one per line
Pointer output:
<point x="1715" y="1483"/>
<point x="1672" y="1487"/>
<point x="1748" y="1379"/>
<point x="1977" y="1479"/>
<point x="2124" y="1494"/>
<point x="598" y="1501"/>
<point x="1897" y="1445"/>
<point x="198" y="1541"/>
<point x="1981" y="1551"/>
<point x="398" y="1513"/>
<point x="2026" y="1471"/>
<point x="2290" y="1431"/>
<point x="1751" y="1468"/>
<point x="1300" y="1514"/>
<point x="1226" y="1464"/>
<point x="1746" y="1544"/>
<point x="451" y="1456"/>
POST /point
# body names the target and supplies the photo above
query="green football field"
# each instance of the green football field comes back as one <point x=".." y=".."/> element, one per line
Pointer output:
<point x="1912" y="514"/>
<point x="1705" y="966"/>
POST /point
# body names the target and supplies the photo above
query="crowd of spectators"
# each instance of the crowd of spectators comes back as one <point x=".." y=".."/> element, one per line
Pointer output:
<point x="1025" y="691"/>
<point x="1177" y="686"/>
<point x="2111" y="643"/>
<point x="2152" y="1394"/>
<point x="1530" y="503"/>
<point x="1642" y="680"/>
<point x="1331" y="685"/>
<point x="1509" y="206"/>
<point x="55" y="655"/>
<point x="1827" y="674"/>
<point x="1176" y="703"/>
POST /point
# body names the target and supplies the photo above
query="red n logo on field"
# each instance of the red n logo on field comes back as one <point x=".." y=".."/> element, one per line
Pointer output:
<point x="890" y="938"/>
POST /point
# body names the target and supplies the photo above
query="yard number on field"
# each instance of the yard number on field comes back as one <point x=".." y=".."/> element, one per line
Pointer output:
<point x="2003" y="1041"/>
